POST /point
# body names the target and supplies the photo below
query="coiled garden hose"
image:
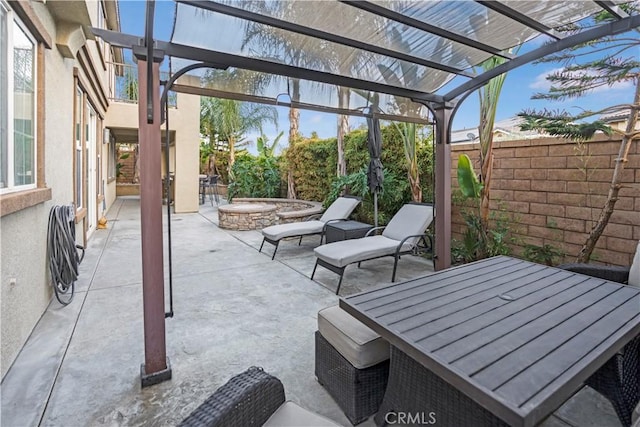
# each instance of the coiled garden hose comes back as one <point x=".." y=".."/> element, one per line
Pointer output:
<point x="62" y="252"/>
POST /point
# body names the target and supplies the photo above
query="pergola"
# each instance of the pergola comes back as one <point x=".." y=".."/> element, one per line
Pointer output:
<point x="402" y="59"/>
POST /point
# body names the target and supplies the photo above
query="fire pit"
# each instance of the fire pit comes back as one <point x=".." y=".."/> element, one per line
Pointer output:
<point x="246" y="216"/>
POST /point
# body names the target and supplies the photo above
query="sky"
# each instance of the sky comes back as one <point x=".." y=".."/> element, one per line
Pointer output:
<point x="518" y="88"/>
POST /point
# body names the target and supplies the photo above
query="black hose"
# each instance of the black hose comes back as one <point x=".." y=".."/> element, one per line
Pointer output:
<point x="62" y="252"/>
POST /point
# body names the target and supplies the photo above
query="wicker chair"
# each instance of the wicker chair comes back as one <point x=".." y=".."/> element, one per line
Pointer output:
<point x="607" y="272"/>
<point x="619" y="379"/>
<point x="252" y="398"/>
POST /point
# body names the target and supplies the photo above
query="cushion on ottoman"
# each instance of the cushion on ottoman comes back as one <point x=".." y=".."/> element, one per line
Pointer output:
<point x="356" y="342"/>
<point x="292" y="415"/>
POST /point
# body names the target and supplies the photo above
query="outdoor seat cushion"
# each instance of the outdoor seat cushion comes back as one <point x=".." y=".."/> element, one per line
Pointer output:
<point x="410" y="220"/>
<point x="634" y="271"/>
<point x="277" y="232"/>
<point x="341" y="208"/>
<point x="355" y="341"/>
<point x="341" y="254"/>
<point x="290" y="414"/>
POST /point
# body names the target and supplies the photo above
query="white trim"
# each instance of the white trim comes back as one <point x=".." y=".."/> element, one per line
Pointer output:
<point x="78" y="132"/>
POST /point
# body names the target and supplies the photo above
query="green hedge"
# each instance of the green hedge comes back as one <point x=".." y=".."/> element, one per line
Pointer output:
<point x="314" y="167"/>
<point x="255" y="177"/>
<point x="314" y="164"/>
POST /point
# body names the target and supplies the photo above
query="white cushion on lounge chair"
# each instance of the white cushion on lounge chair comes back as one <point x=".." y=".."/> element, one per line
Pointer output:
<point x="277" y="232"/>
<point x="634" y="271"/>
<point x="346" y="252"/>
<point x="290" y="414"/>
<point x="410" y="220"/>
<point x="341" y="208"/>
<point x="354" y="340"/>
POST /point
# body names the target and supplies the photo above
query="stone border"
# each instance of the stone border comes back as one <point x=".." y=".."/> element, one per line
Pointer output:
<point x="245" y="216"/>
<point x="287" y="210"/>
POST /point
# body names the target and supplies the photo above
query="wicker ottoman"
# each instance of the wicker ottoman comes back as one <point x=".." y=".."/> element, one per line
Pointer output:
<point x="352" y="363"/>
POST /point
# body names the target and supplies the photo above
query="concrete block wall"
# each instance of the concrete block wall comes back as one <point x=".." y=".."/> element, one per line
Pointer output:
<point x="554" y="190"/>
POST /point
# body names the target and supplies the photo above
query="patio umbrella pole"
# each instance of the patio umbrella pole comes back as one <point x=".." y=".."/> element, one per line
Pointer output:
<point x="375" y="208"/>
<point x="375" y="174"/>
<point x="165" y="106"/>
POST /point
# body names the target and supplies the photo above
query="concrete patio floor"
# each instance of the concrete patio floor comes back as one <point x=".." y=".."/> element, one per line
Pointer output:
<point x="234" y="308"/>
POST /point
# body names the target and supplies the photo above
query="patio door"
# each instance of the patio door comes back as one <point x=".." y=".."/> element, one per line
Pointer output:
<point x="91" y="179"/>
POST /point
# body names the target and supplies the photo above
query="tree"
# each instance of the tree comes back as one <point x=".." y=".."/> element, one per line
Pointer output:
<point x="348" y="60"/>
<point x="409" y="74"/>
<point x="489" y="95"/>
<point x="245" y="81"/>
<point x="278" y="45"/>
<point x="230" y="120"/>
<point x="581" y="75"/>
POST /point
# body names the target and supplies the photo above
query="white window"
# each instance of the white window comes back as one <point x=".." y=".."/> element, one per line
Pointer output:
<point x="18" y="104"/>
<point x="79" y="160"/>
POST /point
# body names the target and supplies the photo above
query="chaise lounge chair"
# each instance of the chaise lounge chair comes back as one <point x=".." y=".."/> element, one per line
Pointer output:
<point x="404" y="233"/>
<point x="339" y="210"/>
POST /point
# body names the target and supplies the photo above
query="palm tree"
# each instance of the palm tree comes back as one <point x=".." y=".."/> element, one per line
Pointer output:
<point x="230" y="120"/>
<point x="407" y="131"/>
<point x="346" y="60"/>
<point x="287" y="47"/>
<point x="489" y="95"/>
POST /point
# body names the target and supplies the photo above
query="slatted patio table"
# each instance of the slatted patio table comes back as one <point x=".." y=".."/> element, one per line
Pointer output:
<point x="502" y="341"/>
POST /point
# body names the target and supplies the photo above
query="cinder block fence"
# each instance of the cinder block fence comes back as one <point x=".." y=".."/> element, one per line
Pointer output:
<point x="553" y="190"/>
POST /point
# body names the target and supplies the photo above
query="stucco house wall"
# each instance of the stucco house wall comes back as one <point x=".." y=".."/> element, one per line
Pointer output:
<point x="184" y="151"/>
<point x="73" y="56"/>
<point x="186" y="121"/>
<point x="25" y="290"/>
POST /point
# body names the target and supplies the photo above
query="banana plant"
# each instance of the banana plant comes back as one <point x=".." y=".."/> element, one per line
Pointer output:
<point x="264" y="148"/>
<point x="474" y="242"/>
<point x="468" y="182"/>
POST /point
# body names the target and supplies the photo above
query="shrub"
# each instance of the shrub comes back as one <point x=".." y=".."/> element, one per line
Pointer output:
<point x="255" y="177"/>
<point x="314" y="164"/>
<point x="395" y="193"/>
<point x="545" y="254"/>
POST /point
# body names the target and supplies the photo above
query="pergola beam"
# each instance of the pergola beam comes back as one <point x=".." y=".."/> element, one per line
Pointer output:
<point x="612" y="8"/>
<point x="421" y="25"/>
<point x="260" y="65"/>
<point x="319" y="34"/>
<point x="504" y="10"/>
<point x="611" y="28"/>
<point x="217" y="93"/>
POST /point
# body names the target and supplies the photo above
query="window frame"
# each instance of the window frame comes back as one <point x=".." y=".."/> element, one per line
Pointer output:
<point x="11" y="202"/>
<point x="78" y="133"/>
<point x="13" y="21"/>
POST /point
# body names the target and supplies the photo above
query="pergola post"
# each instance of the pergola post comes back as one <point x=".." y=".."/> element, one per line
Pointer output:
<point x="442" y="256"/>
<point x="156" y="367"/>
